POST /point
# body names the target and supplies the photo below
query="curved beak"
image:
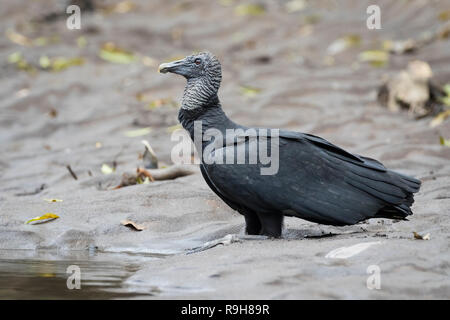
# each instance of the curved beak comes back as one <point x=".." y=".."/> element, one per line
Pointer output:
<point x="173" y="66"/>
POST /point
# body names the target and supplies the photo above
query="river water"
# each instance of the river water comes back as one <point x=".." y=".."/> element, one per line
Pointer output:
<point x="44" y="275"/>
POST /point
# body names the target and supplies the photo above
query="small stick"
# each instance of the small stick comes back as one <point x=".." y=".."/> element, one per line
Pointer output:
<point x="71" y="172"/>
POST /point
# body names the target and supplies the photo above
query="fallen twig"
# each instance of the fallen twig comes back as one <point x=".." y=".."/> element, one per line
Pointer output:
<point x="71" y="172"/>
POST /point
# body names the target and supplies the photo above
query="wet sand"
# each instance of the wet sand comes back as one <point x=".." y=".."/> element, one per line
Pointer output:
<point x="301" y="89"/>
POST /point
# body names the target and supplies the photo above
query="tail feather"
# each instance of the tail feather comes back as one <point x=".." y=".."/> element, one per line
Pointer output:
<point x="402" y="210"/>
<point x="392" y="188"/>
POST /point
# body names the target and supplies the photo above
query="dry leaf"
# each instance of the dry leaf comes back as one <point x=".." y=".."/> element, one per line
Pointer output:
<point x="132" y="225"/>
<point x="121" y="7"/>
<point x="42" y="219"/>
<point x="420" y="237"/>
<point x="18" y="38"/>
<point x="138" y="132"/>
<point x="312" y="19"/>
<point x="144" y="174"/>
<point x="400" y="46"/>
<point x="295" y="6"/>
<point x="23" y="92"/>
<point x="149" y="62"/>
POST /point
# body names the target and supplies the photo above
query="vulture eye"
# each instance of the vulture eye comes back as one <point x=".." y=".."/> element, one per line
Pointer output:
<point x="197" y="61"/>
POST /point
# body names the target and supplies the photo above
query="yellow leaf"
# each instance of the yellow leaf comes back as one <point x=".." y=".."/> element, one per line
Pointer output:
<point x="61" y="63"/>
<point x="376" y="58"/>
<point x="140" y="181"/>
<point x="20" y="62"/>
<point x="44" y="62"/>
<point x="117" y="57"/>
<point x="81" y="42"/>
<point x="249" y="92"/>
<point x="447" y="89"/>
<point x="42" y="219"/>
<point x="111" y="53"/>
<point x="249" y="10"/>
<point x="226" y="3"/>
<point x="138" y="132"/>
<point x="47" y="275"/>
<point x="439" y="118"/>
<point x="162" y="102"/>
<point x="446" y="100"/>
<point x="174" y="128"/>
<point x="41" y="41"/>
<point x="53" y="200"/>
<point x="444" y="142"/>
<point x="444" y="15"/>
<point x="107" y="169"/>
<point x="15" y="57"/>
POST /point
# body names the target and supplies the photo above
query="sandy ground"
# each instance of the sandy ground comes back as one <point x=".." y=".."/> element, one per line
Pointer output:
<point x="301" y="89"/>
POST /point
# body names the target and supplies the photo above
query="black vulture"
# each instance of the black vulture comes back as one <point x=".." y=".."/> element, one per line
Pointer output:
<point x="315" y="180"/>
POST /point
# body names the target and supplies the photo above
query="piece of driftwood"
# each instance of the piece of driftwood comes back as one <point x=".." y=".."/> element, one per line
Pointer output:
<point x="172" y="172"/>
<point x="169" y="173"/>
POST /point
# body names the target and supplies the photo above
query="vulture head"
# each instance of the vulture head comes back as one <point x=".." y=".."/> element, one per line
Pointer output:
<point x="203" y="74"/>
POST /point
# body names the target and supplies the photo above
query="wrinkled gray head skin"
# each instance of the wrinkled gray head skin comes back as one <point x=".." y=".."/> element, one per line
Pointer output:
<point x="203" y="73"/>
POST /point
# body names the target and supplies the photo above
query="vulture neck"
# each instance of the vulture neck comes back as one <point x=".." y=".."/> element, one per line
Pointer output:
<point x="209" y="112"/>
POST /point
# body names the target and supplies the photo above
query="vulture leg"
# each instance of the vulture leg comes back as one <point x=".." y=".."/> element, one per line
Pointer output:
<point x="252" y="223"/>
<point x="272" y="224"/>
